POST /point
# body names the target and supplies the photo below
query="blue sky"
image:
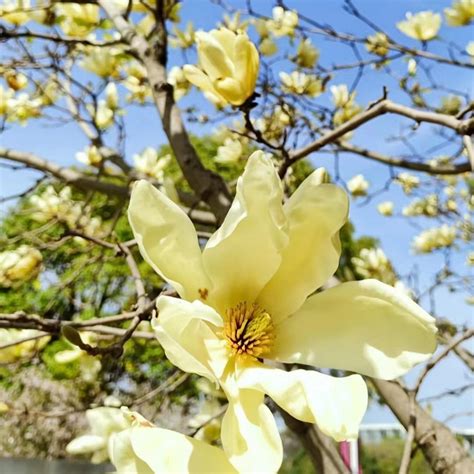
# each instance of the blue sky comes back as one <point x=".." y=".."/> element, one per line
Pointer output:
<point x="61" y="144"/>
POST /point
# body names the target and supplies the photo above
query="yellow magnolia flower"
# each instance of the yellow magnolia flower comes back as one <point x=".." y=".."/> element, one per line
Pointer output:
<point x="373" y="263"/>
<point x="234" y="22"/>
<point x="423" y="26"/>
<point x="385" y="208"/>
<point x="249" y="296"/>
<point x="102" y="61"/>
<point x="22" y="107"/>
<point x="183" y="39"/>
<point x="19" y="265"/>
<point x="89" y="365"/>
<point x="461" y="13"/>
<point x="6" y="95"/>
<point x="77" y="20"/>
<point x="104" y="423"/>
<point x="434" y="239"/>
<point x="16" y="80"/>
<point x="177" y="79"/>
<point x="230" y="151"/>
<point x="301" y="83"/>
<point x="306" y="54"/>
<point x="283" y="23"/>
<point x="13" y="11"/>
<point x="377" y="44"/>
<point x="151" y="164"/>
<point x="228" y="65"/>
<point x="358" y="185"/>
<point x="408" y="182"/>
<point x="22" y="350"/>
<point x="268" y="47"/>
<point x="143" y="448"/>
<point x="341" y="97"/>
<point x="90" y="156"/>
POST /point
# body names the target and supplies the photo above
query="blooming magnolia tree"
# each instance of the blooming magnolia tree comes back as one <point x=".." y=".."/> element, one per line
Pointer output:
<point x="163" y="294"/>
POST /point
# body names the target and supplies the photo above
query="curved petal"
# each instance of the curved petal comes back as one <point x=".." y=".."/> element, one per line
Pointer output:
<point x="183" y="329"/>
<point x="336" y="405"/>
<point x="246" y="63"/>
<point x="167" y="451"/>
<point x="86" y="444"/>
<point x="212" y="57"/>
<point x="199" y="79"/>
<point x="167" y="239"/>
<point x="315" y="213"/>
<point x="231" y="89"/>
<point x="364" y="326"/>
<point x="245" y="251"/>
<point x="226" y="39"/>
<point x="123" y="457"/>
<point x="249" y="434"/>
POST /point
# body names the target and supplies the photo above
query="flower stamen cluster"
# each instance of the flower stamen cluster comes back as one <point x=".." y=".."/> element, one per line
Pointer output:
<point x="249" y="329"/>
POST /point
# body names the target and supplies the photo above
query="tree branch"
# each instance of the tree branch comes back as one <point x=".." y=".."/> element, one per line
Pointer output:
<point x="209" y="186"/>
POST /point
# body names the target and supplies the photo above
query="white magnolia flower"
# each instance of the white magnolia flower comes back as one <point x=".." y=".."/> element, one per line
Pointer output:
<point x="423" y="26"/>
<point x="19" y="265"/>
<point x="386" y="208"/>
<point x="151" y="164"/>
<point x="230" y="152"/>
<point x="249" y="296"/>
<point x="358" y="185"/>
<point x="300" y="83"/>
<point x="103" y="114"/>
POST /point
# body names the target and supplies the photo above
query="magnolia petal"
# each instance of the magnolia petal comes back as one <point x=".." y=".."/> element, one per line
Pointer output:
<point x="244" y="253"/>
<point x="167" y="239"/>
<point x="166" y="451"/>
<point x="198" y="78"/>
<point x="336" y="405"/>
<point x="364" y="326"/>
<point x="246" y="64"/>
<point x="123" y="456"/>
<point x="86" y="444"/>
<point x="189" y="342"/>
<point x="212" y="57"/>
<point x="315" y="213"/>
<point x="231" y="89"/>
<point x="226" y="38"/>
<point x="249" y="434"/>
<point x="105" y="420"/>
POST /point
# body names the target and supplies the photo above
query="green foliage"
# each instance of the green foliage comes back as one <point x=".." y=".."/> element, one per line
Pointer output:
<point x="70" y="370"/>
<point x="385" y="457"/>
